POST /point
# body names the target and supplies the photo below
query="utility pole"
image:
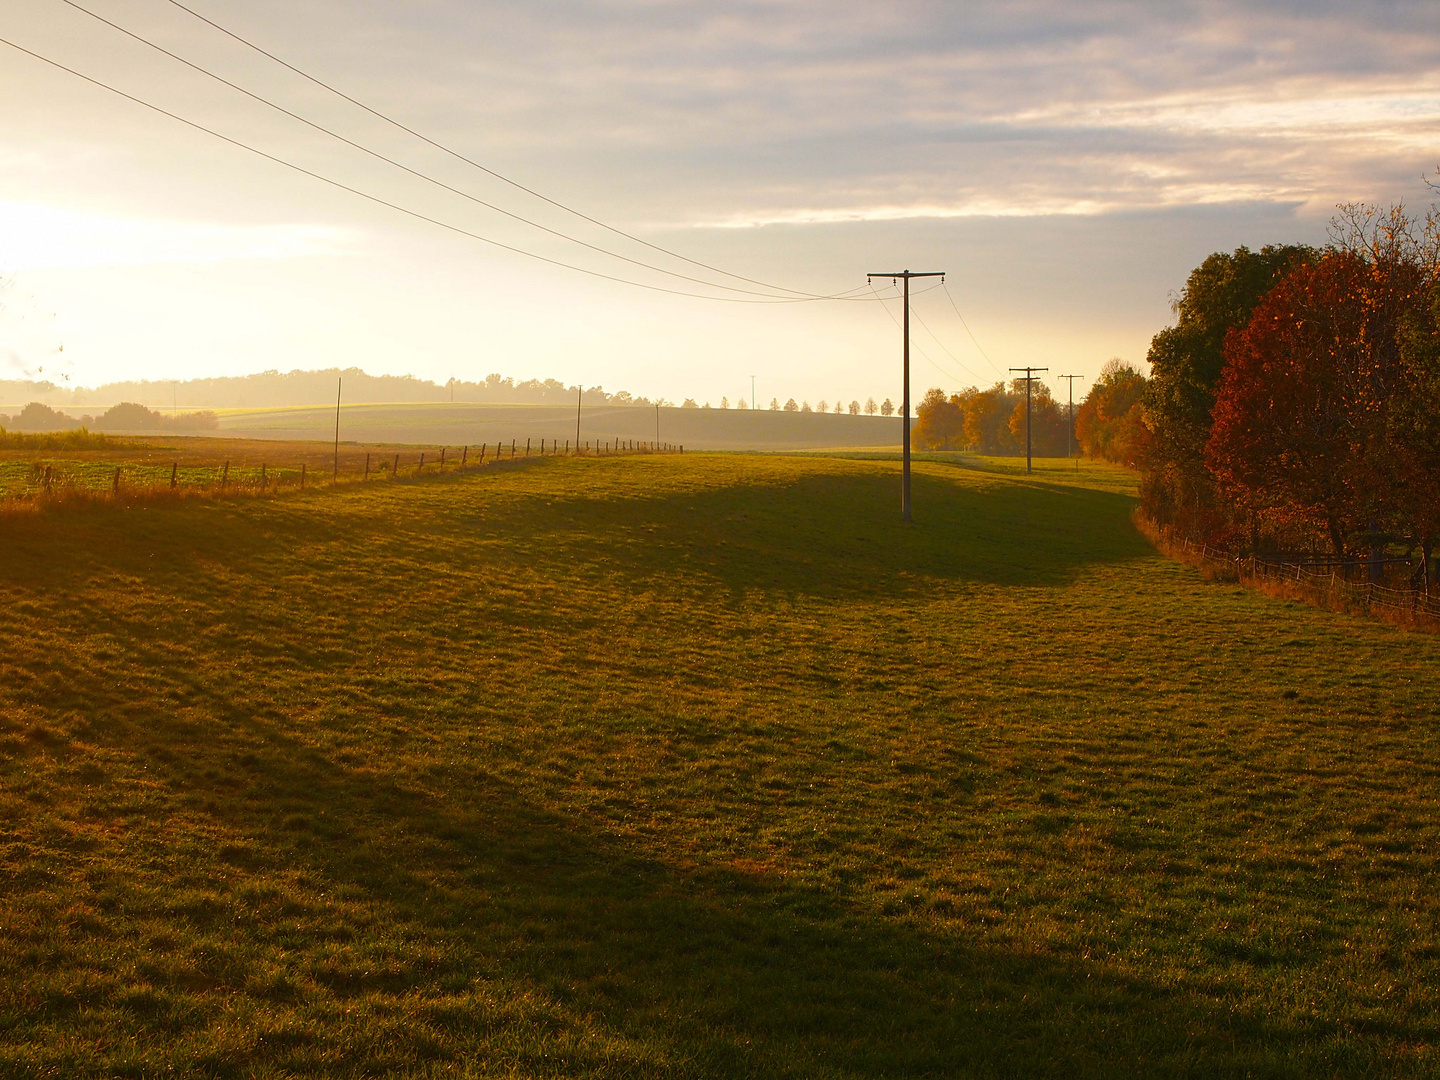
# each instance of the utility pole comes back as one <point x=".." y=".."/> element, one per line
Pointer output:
<point x="336" y="475"/>
<point x="1029" y="378"/>
<point x="579" y="393"/>
<point x="657" y="423"/>
<point x="1070" y="430"/>
<point x="752" y="393"/>
<point x="906" y="275"/>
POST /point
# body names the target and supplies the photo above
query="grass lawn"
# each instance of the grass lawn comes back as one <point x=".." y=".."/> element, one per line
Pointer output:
<point x="700" y="766"/>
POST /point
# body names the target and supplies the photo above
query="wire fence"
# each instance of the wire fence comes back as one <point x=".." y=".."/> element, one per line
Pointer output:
<point x="147" y="473"/>
<point x="1326" y="581"/>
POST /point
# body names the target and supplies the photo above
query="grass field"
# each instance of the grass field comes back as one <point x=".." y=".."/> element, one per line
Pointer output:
<point x="700" y="766"/>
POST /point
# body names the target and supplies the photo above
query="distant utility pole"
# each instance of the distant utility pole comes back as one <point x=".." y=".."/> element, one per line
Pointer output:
<point x="337" y="429"/>
<point x="579" y="393"/>
<point x="1070" y="430"/>
<point x="1029" y="378"/>
<point x="752" y="393"/>
<point x="906" y="275"/>
<point x="657" y="423"/>
<point x="174" y="399"/>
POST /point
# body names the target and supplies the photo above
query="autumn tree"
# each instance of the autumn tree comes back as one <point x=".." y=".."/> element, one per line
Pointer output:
<point x="1285" y="445"/>
<point x="1186" y="361"/>
<point x="940" y="421"/>
<point x="1109" y="424"/>
<point x="987" y="421"/>
<point x="1048" y="426"/>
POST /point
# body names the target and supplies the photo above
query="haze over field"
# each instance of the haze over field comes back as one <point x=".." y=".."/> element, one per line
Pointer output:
<point x="1066" y="164"/>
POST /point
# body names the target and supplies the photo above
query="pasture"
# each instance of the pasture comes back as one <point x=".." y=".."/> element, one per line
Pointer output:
<point x="700" y="766"/>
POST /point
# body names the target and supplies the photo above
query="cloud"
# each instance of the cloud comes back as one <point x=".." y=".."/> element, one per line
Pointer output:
<point x="34" y="236"/>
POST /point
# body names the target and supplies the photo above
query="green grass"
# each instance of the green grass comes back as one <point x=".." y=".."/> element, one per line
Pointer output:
<point x="700" y="766"/>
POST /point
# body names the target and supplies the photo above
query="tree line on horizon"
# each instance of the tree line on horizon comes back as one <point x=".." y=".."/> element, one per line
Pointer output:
<point x="274" y="388"/>
<point x="1293" y="406"/>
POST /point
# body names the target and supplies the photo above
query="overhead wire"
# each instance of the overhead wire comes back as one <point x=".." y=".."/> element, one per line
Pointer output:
<point x="886" y="308"/>
<point x="485" y="169"/>
<point x="966" y="325"/>
<point x="417" y="215"/>
<point x="416" y="172"/>
<point x="963" y="366"/>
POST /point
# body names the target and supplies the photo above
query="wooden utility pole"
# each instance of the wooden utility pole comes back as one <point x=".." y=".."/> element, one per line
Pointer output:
<point x="906" y="275"/>
<point x="579" y="393"/>
<point x="752" y="393"/>
<point x="657" y="421"/>
<point x="1029" y="378"/>
<point x="1070" y="430"/>
<point x="337" y="430"/>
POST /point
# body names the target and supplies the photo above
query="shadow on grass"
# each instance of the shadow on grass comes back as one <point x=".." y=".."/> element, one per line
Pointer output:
<point x="720" y="971"/>
<point x="840" y="534"/>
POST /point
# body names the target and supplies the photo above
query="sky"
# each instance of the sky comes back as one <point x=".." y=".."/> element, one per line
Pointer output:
<point x="1064" y="163"/>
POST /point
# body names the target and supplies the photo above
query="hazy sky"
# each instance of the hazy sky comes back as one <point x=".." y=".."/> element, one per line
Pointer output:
<point x="1066" y="163"/>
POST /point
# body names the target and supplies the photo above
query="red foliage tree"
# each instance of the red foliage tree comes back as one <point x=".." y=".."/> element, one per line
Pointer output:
<point x="1286" y="444"/>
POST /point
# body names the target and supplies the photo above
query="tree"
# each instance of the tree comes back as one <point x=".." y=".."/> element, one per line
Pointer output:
<point x="724" y="403"/>
<point x="987" y="420"/>
<point x="742" y="403"/>
<point x="887" y="408"/>
<point x="854" y="408"/>
<point x="940" y="421"/>
<point x="839" y="406"/>
<point x="790" y="406"/>
<point x="870" y="406"/>
<point x="1413" y="431"/>
<point x="1186" y="361"/>
<point x="823" y="406"/>
<point x="1110" y="422"/>
<point x="689" y="404"/>
<point x="1284" y="445"/>
<point x="804" y="406"/>
<point x="774" y="404"/>
<point x="1048" y="425"/>
<point x="38" y="417"/>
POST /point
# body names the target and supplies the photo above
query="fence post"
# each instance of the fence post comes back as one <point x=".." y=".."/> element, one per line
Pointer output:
<point x="442" y="459"/>
<point x="262" y="477"/>
<point x="464" y="456"/>
<point x="512" y="449"/>
<point x="527" y="447"/>
<point x="395" y="469"/>
<point x="174" y="469"/>
<point x="482" y="452"/>
<point x="117" y="479"/>
<point x="367" y="466"/>
<point x="421" y="466"/>
<point x="302" y="476"/>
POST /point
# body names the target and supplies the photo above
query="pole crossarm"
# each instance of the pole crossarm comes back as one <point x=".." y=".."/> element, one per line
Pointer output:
<point x="905" y="276"/>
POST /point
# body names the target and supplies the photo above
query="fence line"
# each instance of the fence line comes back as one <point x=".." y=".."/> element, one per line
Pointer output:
<point x="1321" y="580"/>
<point x="53" y="483"/>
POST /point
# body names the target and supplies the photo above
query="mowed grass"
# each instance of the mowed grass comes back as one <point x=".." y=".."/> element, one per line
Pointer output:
<point x="700" y="766"/>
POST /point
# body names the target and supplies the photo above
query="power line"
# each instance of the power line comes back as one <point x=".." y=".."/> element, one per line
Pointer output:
<point x="963" y="366"/>
<point x="966" y="325"/>
<point x="885" y="307"/>
<point x="475" y="164"/>
<point x="407" y="169"/>
<point x="396" y="206"/>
